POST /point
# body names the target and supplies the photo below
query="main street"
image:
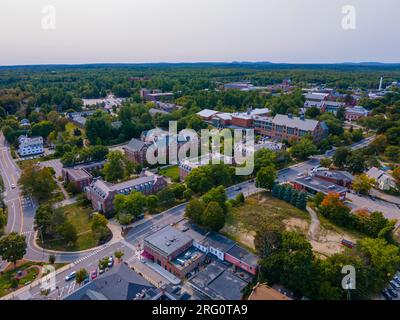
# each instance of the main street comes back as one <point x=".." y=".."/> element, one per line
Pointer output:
<point x="10" y="174"/>
<point x="134" y="237"/>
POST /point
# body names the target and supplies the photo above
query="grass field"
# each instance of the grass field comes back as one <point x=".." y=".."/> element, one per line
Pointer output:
<point x="171" y="172"/>
<point x="70" y="127"/>
<point x="242" y="222"/>
<point x="80" y="218"/>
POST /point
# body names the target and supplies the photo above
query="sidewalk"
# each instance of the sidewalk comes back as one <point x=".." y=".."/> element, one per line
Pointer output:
<point x="65" y="202"/>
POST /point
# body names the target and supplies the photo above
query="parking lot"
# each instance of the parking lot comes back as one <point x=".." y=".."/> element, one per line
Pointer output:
<point x="55" y="164"/>
<point x="389" y="210"/>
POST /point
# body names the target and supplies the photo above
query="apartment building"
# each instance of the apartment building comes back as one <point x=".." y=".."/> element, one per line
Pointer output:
<point x="155" y="95"/>
<point x="102" y="193"/>
<point x="188" y="164"/>
<point x="356" y="113"/>
<point x="233" y="120"/>
<point x="286" y="127"/>
<point x="136" y="150"/>
<point x="30" y="146"/>
<point x="81" y="175"/>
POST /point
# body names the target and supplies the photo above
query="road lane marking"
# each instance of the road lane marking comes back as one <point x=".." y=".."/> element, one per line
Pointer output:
<point x="22" y="216"/>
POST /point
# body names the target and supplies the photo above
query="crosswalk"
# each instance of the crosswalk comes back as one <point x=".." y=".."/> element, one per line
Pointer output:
<point x="92" y="254"/>
<point x="26" y="202"/>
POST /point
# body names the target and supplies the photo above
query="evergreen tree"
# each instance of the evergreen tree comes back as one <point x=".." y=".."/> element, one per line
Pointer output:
<point x="288" y="194"/>
<point x="276" y="190"/>
<point x="295" y="196"/>
<point x="282" y="192"/>
<point x="302" y="201"/>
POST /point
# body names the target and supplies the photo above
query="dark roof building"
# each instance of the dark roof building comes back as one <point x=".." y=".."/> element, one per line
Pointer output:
<point x="120" y="283"/>
<point x="341" y="178"/>
<point x="217" y="282"/>
<point x="314" y="185"/>
<point x="242" y="258"/>
<point x="168" y="241"/>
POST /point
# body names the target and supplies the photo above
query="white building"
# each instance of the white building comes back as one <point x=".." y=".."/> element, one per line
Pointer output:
<point x="30" y="146"/>
<point x="384" y="181"/>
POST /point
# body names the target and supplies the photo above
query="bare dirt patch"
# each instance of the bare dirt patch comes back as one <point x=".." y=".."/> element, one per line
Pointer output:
<point x="329" y="242"/>
<point x="296" y="224"/>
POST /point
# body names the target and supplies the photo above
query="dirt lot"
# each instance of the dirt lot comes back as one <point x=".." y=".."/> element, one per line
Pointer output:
<point x="243" y="222"/>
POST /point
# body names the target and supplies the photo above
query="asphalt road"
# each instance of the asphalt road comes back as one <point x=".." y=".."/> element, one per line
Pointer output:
<point x="10" y="174"/>
<point x="21" y="220"/>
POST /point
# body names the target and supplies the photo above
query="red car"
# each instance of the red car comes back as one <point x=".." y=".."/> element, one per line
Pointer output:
<point x="93" y="275"/>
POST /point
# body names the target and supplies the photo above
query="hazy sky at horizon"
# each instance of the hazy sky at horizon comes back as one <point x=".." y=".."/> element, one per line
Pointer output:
<point x="135" y="31"/>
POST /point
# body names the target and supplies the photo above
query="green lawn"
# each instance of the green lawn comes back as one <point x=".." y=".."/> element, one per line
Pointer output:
<point x="171" y="172"/>
<point x="7" y="277"/>
<point x="70" y="127"/>
<point x="80" y="217"/>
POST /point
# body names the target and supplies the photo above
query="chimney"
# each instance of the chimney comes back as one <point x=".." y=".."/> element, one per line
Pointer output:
<point x="302" y="117"/>
<point x="290" y="116"/>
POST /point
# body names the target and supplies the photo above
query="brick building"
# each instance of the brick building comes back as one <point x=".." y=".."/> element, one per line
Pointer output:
<point x="356" y="113"/>
<point x="81" y="175"/>
<point x="173" y="250"/>
<point x="102" y="193"/>
<point x="286" y="127"/>
<point x="136" y="150"/>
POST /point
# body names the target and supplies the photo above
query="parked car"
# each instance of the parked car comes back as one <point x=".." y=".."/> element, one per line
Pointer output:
<point x="238" y="188"/>
<point x="93" y="274"/>
<point x="70" y="276"/>
<point x="86" y="280"/>
<point x="386" y="295"/>
<point x="101" y="271"/>
<point x="393" y="293"/>
<point x="12" y="186"/>
<point x="110" y="262"/>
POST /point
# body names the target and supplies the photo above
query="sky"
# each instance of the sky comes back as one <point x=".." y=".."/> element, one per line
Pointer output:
<point x="140" y="31"/>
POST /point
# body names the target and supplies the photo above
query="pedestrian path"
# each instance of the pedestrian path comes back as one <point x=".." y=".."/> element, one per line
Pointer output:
<point x="92" y="253"/>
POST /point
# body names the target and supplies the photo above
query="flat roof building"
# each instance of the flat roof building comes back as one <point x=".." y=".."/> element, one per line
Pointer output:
<point x="314" y="185"/>
<point x="173" y="250"/>
<point x="168" y="241"/>
<point x="263" y="292"/>
<point x="217" y="282"/>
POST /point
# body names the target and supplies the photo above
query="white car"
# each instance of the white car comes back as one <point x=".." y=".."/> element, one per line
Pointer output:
<point x="12" y="186"/>
<point x="71" y="276"/>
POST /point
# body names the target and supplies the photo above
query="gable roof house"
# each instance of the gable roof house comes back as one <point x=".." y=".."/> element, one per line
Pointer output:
<point x="384" y="181"/>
